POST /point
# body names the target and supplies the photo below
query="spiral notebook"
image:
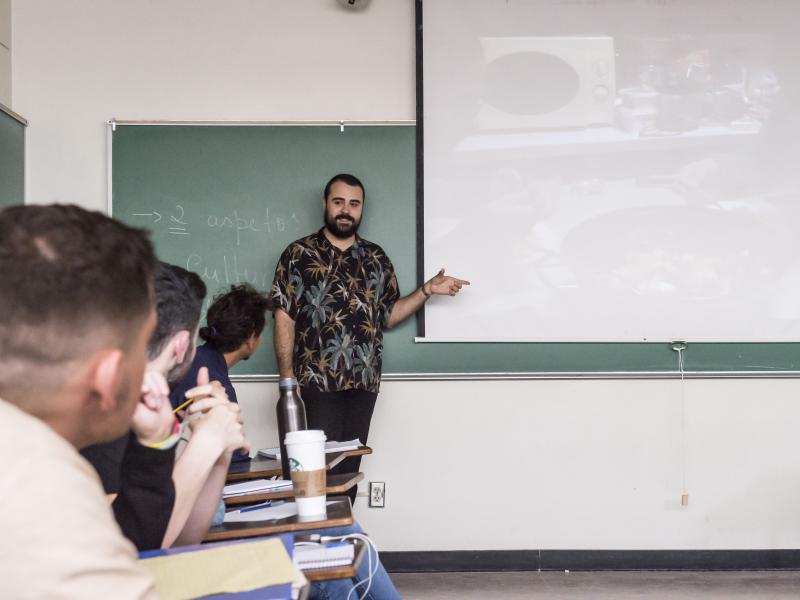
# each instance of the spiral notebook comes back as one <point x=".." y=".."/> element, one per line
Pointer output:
<point x="323" y="556"/>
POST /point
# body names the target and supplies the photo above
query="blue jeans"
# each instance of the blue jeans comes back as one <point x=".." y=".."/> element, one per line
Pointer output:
<point x="382" y="587"/>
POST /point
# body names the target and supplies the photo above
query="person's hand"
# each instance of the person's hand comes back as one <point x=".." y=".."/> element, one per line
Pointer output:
<point x="153" y="421"/>
<point x="207" y="395"/>
<point x="223" y="425"/>
<point x="443" y="284"/>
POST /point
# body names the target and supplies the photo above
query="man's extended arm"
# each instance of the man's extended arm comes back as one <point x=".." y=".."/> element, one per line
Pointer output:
<point x="197" y="491"/>
<point x="190" y="475"/>
<point x="283" y="339"/>
<point x="408" y="305"/>
<point x="217" y="431"/>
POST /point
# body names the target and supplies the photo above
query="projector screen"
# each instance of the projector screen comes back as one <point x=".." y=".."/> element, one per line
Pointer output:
<point x="612" y="170"/>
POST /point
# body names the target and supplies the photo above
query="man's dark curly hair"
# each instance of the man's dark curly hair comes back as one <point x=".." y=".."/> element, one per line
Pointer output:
<point x="235" y="316"/>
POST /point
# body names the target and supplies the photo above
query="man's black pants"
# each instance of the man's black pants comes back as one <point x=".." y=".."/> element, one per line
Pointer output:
<point x="343" y="416"/>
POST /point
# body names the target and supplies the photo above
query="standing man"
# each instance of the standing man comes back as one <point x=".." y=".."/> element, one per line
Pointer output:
<point x="335" y="293"/>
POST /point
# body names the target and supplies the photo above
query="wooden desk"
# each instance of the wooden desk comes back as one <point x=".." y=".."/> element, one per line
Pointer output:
<point x="344" y="572"/>
<point x="264" y="468"/>
<point x="339" y="514"/>
<point x="334" y="484"/>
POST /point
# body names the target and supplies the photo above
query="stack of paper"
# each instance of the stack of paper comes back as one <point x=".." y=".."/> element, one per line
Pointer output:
<point x="329" y="447"/>
<point x="323" y="556"/>
<point x="255" y="486"/>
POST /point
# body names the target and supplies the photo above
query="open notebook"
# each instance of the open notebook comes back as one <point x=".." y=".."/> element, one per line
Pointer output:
<point x="329" y="447"/>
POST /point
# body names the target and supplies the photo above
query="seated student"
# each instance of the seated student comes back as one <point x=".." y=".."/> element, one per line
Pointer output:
<point x="234" y="324"/>
<point x="198" y="475"/>
<point x="75" y="316"/>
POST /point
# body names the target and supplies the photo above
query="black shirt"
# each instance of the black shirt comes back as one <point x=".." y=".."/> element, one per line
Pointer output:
<point x="142" y="479"/>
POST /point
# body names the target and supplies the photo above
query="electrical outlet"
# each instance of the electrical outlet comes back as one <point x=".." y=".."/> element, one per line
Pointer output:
<point x="377" y="494"/>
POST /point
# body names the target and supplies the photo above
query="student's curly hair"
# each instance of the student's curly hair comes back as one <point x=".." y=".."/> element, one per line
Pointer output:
<point x="235" y="316"/>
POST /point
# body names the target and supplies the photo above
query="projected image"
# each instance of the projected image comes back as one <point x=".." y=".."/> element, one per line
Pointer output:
<point x="620" y="165"/>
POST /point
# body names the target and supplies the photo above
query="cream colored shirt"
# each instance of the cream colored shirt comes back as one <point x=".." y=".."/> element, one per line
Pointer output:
<point x="58" y="536"/>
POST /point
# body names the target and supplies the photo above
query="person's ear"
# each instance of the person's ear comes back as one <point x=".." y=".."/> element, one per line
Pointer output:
<point x="253" y="343"/>
<point x="103" y="376"/>
<point x="180" y="345"/>
<point x="246" y="349"/>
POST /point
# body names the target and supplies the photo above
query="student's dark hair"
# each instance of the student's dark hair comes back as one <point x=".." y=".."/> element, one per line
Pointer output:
<point x="350" y="180"/>
<point x="179" y="296"/>
<point x="235" y="316"/>
<point x="72" y="280"/>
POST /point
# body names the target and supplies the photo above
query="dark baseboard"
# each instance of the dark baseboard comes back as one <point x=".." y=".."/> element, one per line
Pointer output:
<point x="592" y="560"/>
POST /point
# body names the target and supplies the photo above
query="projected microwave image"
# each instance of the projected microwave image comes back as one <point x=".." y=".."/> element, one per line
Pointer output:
<point x="628" y="158"/>
<point x="534" y="82"/>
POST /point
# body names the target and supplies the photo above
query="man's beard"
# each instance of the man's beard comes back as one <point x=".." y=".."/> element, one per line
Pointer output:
<point x="350" y="228"/>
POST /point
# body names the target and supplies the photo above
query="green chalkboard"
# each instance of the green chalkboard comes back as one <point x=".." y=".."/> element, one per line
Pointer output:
<point x="225" y="200"/>
<point x="12" y="160"/>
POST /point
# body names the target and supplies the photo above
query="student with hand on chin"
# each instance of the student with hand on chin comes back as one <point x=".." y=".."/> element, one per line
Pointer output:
<point x="159" y="501"/>
<point x="235" y="322"/>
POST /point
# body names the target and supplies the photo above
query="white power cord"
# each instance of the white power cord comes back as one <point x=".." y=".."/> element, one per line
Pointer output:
<point x="372" y="568"/>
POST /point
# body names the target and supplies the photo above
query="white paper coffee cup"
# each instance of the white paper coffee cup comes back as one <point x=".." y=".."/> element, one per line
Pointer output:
<point x="306" y="452"/>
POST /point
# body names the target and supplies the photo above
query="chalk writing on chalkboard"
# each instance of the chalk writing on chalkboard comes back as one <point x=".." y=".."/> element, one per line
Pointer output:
<point x="243" y="240"/>
<point x="234" y="220"/>
<point x="227" y="270"/>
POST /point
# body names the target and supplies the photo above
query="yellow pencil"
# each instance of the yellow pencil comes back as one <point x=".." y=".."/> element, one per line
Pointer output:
<point x="184" y="405"/>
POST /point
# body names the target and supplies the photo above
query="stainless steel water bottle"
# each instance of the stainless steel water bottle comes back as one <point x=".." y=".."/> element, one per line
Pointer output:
<point x="291" y="417"/>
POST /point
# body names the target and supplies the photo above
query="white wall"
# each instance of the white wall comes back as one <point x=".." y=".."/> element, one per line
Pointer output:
<point x="79" y="63"/>
<point x="5" y="52"/>
<point x="590" y="464"/>
<point x="578" y="464"/>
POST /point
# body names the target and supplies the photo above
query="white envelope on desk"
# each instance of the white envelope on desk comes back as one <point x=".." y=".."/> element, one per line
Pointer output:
<point x="255" y="486"/>
<point x="267" y="513"/>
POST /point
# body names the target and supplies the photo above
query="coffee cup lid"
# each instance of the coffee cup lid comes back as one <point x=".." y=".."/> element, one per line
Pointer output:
<point x="305" y="436"/>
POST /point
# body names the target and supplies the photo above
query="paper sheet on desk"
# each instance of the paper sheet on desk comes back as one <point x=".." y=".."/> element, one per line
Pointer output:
<point x="233" y="568"/>
<point x="275" y="453"/>
<point x="281" y="511"/>
<point x="255" y="486"/>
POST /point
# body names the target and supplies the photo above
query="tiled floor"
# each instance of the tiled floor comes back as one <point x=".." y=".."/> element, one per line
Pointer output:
<point x="602" y="586"/>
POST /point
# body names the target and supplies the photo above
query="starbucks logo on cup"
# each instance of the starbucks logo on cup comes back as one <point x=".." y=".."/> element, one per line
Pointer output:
<point x="295" y="465"/>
